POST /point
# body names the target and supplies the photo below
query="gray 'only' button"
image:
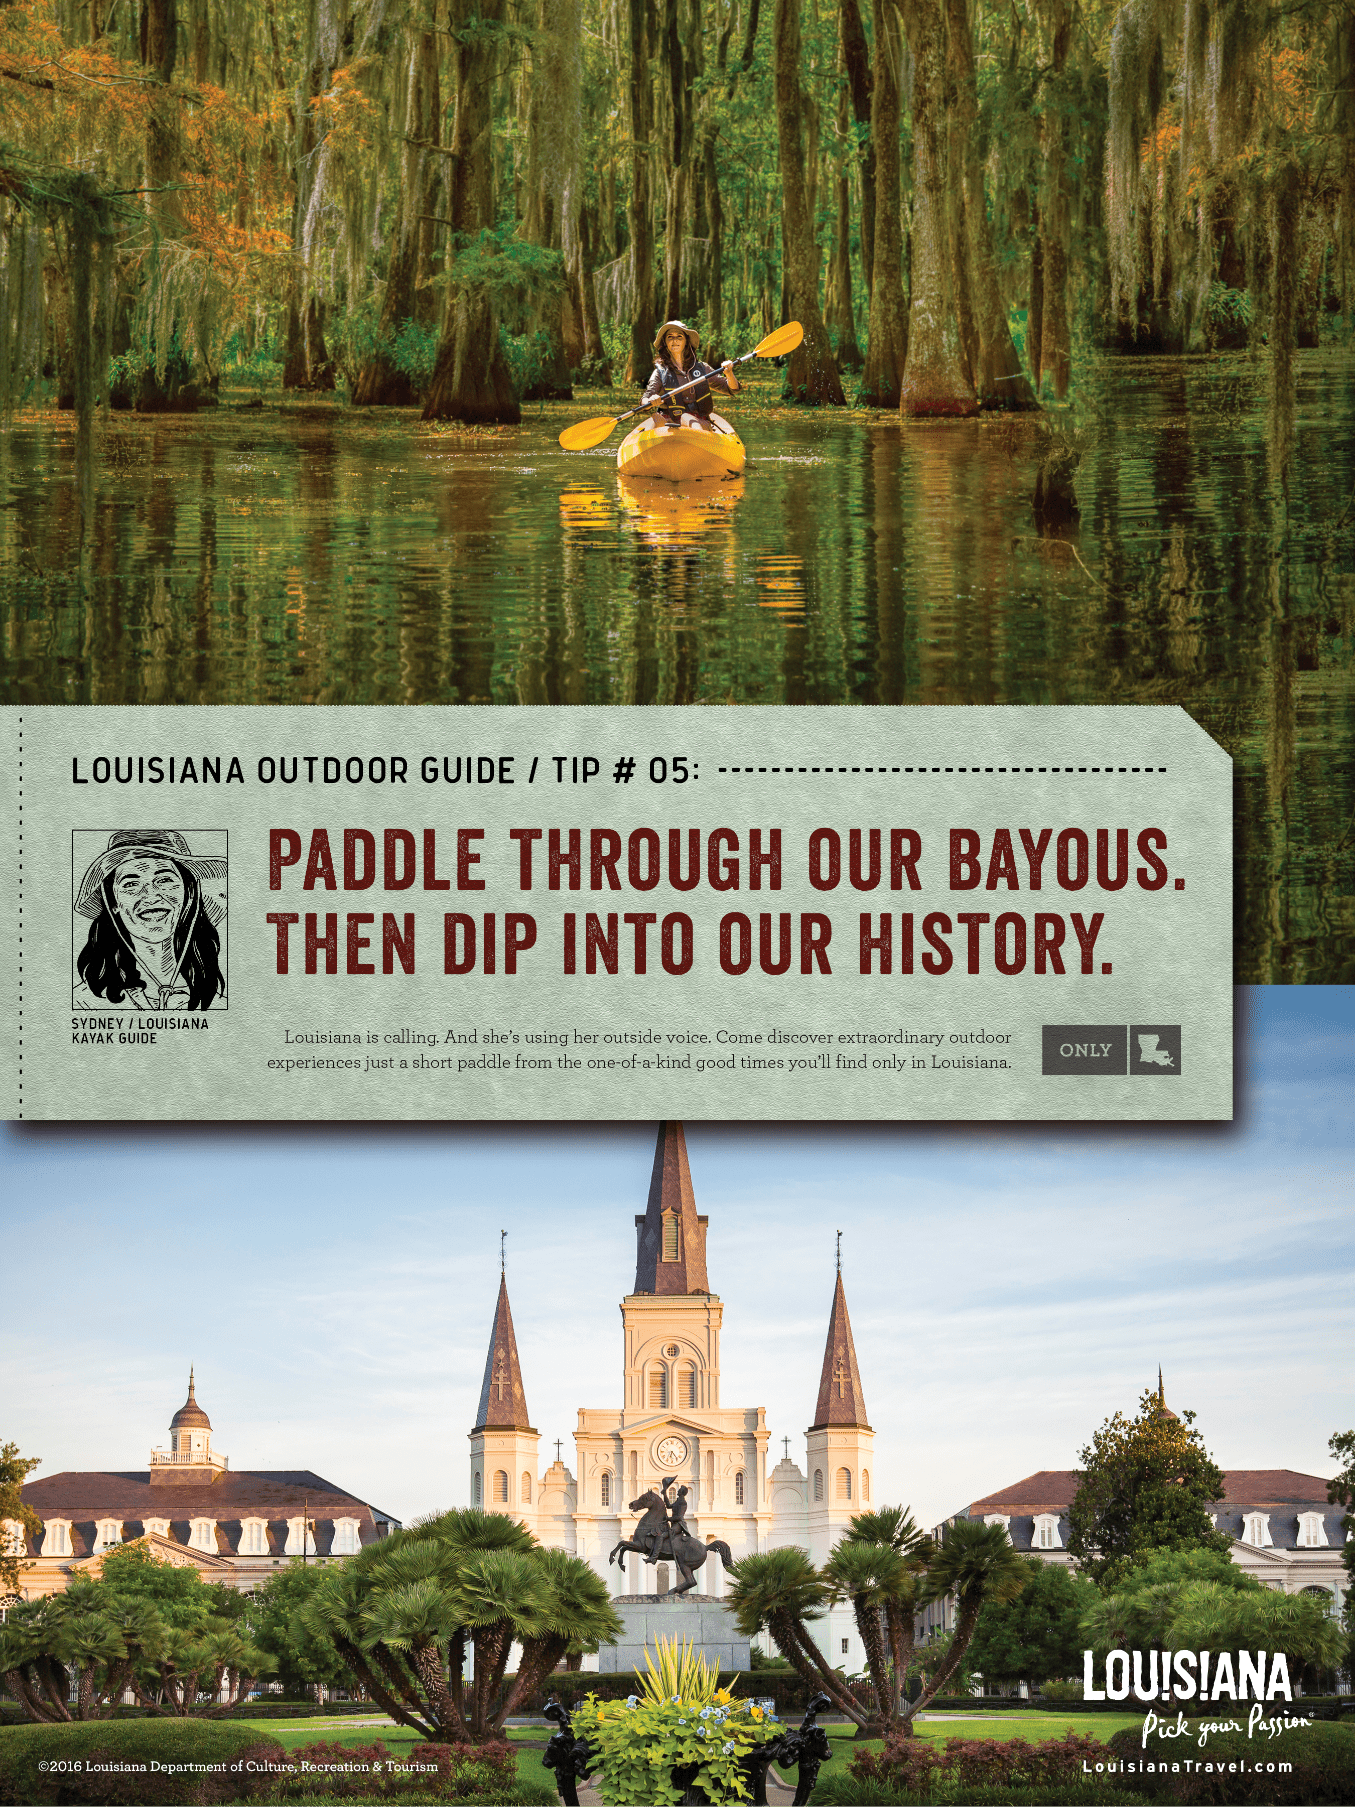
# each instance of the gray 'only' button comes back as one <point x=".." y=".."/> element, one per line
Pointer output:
<point x="1083" y="1048"/>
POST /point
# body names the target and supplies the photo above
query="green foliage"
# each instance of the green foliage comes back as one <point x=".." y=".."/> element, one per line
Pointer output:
<point x="758" y="1659"/>
<point x="401" y="1614"/>
<point x="843" y="1791"/>
<point x="137" y="1742"/>
<point x="526" y="355"/>
<point x="959" y="1768"/>
<point x="1322" y="1756"/>
<point x="1036" y="1635"/>
<point x="1144" y="1485"/>
<point x="639" y="1743"/>
<point x="335" y="1770"/>
<point x="1200" y="1600"/>
<point x="1341" y="1492"/>
<point x="1058" y="1692"/>
<point x="14" y="1469"/>
<point x="277" y="1621"/>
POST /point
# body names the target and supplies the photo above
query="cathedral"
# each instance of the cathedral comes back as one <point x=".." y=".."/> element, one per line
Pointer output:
<point x="669" y="1423"/>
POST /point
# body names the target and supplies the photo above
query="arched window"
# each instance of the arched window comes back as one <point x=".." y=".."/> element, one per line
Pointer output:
<point x="500" y="1487"/>
<point x="155" y="1527"/>
<point x="110" y="1533"/>
<point x="738" y="1488"/>
<point x="818" y="1483"/>
<point x="475" y="1487"/>
<point x="606" y="1487"/>
<point x="526" y="1487"/>
<point x="58" y="1539"/>
<point x="672" y="1236"/>
<point x="346" y="1541"/>
<point x="1312" y="1531"/>
<point x="1047" y="1532"/>
<point x="254" y="1537"/>
<point x="844" y="1483"/>
<point x="204" y="1536"/>
<point x="687" y="1388"/>
<point x="1256" y="1529"/>
<point x="658" y="1386"/>
<point x="634" y="1471"/>
<point x="865" y="1484"/>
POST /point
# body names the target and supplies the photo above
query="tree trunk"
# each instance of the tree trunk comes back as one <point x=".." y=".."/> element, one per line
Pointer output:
<point x="887" y="338"/>
<point x="868" y="1625"/>
<point x="1055" y="333"/>
<point x="640" y="360"/>
<point x="840" y="315"/>
<point x="934" y="377"/>
<point x="380" y="382"/>
<point x="471" y="381"/>
<point x="811" y="375"/>
<point x="856" y="67"/>
<point x="994" y="366"/>
<point x="960" y="1640"/>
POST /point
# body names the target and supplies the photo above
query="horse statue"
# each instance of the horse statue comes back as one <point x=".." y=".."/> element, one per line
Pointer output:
<point x="662" y="1534"/>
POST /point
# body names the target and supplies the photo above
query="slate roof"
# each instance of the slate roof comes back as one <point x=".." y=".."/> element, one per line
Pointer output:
<point x="1052" y="1489"/>
<point x="1281" y="1493"/>
<point x="842" y="1399"/>
<point x="670" y="1190"/>
<point x="86" y="1496"/>
<point x="503" y="1403"/>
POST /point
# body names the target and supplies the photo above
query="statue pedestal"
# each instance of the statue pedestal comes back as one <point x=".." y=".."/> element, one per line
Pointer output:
<point x="708" y="1622"/>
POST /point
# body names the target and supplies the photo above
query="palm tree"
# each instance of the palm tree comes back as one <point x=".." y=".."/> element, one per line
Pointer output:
<point x="975" y="1563"/>
<point x="895" y="1527"/>
<point x="401" y="1614"/>
<point x="871" y="1575"/>
<point x="781" y="1592"/>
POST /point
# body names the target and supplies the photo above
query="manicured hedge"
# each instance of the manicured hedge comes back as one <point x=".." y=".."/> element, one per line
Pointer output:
<point x="789" y="1690"/>
<point x="105" y="1761"/>
<point x="1322" y="1756"/>
<point x="372" y="1772"/>
<point x="842" y="1791"/>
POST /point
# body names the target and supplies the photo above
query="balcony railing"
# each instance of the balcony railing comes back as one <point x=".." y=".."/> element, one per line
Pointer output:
<point x="176" y="1458"/>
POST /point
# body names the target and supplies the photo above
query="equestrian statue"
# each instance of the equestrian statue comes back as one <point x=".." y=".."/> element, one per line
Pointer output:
<point x="662" y="1536"/>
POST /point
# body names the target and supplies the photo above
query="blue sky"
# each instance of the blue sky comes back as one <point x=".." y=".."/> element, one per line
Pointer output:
<point x="1009" y="1287"/>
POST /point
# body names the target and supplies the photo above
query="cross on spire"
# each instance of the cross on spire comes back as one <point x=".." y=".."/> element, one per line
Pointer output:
<point x="503" y="1256"/>
<point x="841" y="1400"/>
<point x="786" y="1442"/>
<point x="839" y="1251"/>
<point x="557" y="1449"/>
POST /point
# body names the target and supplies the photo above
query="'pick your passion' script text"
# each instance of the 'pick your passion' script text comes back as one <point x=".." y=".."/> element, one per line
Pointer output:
<point x="721" y="860"/>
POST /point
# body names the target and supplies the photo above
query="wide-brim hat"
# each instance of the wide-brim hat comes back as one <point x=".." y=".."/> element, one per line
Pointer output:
<point x="153" y="843"/>
<point x="693" y="337"/>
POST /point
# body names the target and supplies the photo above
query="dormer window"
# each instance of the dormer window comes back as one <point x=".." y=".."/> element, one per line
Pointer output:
<point x="346" y="1541"/>
<point x="203" y="1536"/>
<point x="12" y="1540"/>
<point x="295" y="1529"/>
<point x="57" y="1541"/>
<point x="1045" y="1532"/>
<point x="109" y="1533"/>
<point x="155" y="1527"/>
<point x="1312" y="1531"/>
<point x="1256" y="1529"/>
<point x="254" y="1537"/>
<point x="999" y="1518"/>
<point x="672" y="1236"/>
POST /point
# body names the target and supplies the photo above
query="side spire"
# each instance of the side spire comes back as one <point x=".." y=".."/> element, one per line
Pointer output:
<point x="671" y="1252"/>
<point x="503" y="1404"/>
<point x="841" y="1397"/>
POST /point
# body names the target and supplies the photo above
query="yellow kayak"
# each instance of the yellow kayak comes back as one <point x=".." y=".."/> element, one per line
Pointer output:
<point x="681" y="454"/>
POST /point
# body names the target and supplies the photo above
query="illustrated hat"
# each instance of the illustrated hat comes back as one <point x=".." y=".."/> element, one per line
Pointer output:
<point x="693" y="337"/>
<point x="153" y="843"/>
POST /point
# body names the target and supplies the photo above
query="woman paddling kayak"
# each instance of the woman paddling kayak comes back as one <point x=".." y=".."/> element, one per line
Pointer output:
<point x="675" y="349"/>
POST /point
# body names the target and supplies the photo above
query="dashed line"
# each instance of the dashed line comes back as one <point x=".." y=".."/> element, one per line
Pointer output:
<point x="919" y="770"/>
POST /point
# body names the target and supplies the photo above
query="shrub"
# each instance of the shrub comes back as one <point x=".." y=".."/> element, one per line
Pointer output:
<point x="228" y="1751"/>
<point x="1060" y="1692"/>
<point x="447" y="1772"/>
<point x="912" y="1764"/>
<point x="841" y="1791"/>
<point x="1322" y="1756"/>
<point x="639" y="1743"/>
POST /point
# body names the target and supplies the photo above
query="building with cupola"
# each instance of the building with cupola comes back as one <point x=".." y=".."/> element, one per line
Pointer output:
<point x="193" y="1510"/>
<point x="667" y="1420"/>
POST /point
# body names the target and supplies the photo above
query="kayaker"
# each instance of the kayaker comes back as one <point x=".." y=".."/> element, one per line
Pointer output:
<point x="675" y="349"/>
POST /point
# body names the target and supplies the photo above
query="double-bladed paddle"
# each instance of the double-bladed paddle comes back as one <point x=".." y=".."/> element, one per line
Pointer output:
<point x="589" y="433"/>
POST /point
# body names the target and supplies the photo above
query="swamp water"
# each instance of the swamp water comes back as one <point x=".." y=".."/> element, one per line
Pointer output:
<point x="311" y="554"/>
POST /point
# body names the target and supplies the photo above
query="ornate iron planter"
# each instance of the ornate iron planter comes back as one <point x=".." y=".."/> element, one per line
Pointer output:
<point x="805" y="1748"/>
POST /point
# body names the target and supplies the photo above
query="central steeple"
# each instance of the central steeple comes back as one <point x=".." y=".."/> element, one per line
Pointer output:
<point x="671" y="1252"/>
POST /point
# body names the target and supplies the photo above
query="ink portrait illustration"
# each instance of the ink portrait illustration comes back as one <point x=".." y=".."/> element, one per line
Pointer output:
<point x="149" y="910"/>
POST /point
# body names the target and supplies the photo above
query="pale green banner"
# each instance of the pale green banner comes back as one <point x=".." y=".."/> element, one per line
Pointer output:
<point x="959" y="913"/>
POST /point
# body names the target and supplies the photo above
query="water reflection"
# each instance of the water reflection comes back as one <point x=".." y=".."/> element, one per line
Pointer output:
<point x="317" y="556"/>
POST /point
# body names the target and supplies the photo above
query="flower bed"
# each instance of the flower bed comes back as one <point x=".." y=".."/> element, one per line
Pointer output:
<point x="650" y="1751"/>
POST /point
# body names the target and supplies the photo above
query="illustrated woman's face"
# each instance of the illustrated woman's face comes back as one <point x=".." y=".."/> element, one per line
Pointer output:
<point x="675" y="344"/>
<point x="148" y="894"/>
